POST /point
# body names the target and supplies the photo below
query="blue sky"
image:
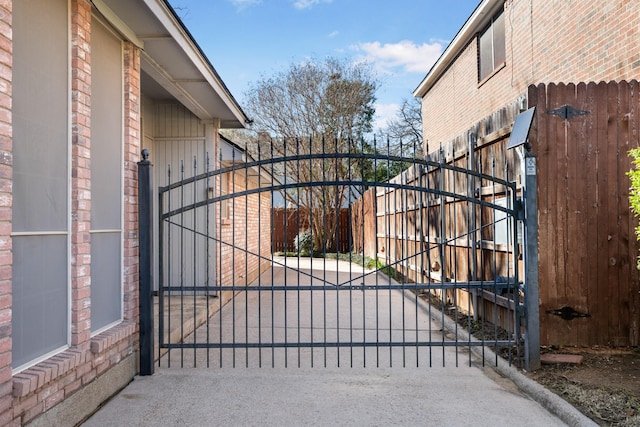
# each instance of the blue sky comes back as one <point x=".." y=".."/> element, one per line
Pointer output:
<point x="249" y="39"/>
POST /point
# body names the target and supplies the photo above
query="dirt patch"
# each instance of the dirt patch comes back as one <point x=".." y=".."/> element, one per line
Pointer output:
<point x="605" y="386"/>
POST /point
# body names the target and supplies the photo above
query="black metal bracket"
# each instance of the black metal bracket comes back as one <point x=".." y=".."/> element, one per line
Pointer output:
<point x="567" y="112"/>
<point x="518" y="210"/>
<point x="568" y="313"/>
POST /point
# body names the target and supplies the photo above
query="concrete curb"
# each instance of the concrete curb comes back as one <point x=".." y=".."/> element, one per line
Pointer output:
<point x="546" y="398"/>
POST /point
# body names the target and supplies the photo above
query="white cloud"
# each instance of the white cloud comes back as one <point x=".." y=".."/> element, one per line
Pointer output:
<point x="406" y="55"/>
<point x="334" y="34"/>
<point x="384" y="113"/>
<point x="305" y="4"/>
<point x="243" y="4"/>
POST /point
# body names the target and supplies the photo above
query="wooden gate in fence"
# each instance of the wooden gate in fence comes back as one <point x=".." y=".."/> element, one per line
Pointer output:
<point x="589" y="287"/>
<point x="588" y="281"/>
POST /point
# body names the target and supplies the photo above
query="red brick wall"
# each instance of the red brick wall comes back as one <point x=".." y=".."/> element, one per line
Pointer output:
<point x="80" y="173"/>
<point x="6" y="384"/>
<point x="132" y="147"/>
<point x="546" y="41"/>
<point x="37" y="389"/>
<point x="240" y="231"/>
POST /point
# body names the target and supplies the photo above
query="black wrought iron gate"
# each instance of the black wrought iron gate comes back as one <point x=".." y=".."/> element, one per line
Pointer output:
<point x="249" y="255"/>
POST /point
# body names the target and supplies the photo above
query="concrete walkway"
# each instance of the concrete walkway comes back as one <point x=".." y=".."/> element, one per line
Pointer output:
<point x="398" y="387"/>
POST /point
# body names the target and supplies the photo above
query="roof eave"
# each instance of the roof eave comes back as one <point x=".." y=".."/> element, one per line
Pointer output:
<point x="472" y="26"/>
<point x="204" y="92"/>
<point x="172" y="22"/>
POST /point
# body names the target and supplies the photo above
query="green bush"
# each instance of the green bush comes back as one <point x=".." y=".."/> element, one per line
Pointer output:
<point x="634" y="191"/>
<point x="303" y="243"/>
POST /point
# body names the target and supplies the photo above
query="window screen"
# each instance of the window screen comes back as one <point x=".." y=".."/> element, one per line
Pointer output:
<point x="491" y="47"/>
<point x="106" y="176"/>
<point x="40" y="179"/>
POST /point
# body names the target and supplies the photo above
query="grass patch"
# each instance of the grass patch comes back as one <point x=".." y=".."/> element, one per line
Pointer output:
<point x="359" y="259"/>
<point x="366" y="262"/>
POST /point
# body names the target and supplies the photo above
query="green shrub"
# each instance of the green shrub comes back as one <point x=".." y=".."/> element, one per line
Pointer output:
<point x="303" y="243"/>
<point x="634" y="191"/>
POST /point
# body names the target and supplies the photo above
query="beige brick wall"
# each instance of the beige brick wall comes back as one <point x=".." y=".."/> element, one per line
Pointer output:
<point x="546" y="41"/>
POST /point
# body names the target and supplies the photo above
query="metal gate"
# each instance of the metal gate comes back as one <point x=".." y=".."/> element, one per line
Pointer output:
<point x="434" y="265"/>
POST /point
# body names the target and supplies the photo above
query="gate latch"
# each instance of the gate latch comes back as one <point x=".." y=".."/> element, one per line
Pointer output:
<point x="568" y="313"/>
<point x="518" y="210"/>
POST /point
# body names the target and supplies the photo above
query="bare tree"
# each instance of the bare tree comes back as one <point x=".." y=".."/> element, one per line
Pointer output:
<point x="315" y="108"/>
<point x="407" y="125"/>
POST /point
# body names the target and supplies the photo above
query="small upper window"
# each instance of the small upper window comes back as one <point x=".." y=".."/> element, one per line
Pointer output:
<point x="491" y="47"/>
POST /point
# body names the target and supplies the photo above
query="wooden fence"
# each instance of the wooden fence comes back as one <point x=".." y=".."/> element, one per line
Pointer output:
<point x="450" y="239"/>
<point x="587" y="245"/>
<point x="588" y="280"/>
<point x="288" y="222"/>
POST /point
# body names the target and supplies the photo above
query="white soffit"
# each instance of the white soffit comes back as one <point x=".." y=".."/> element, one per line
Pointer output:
<point x="171" y="57"/>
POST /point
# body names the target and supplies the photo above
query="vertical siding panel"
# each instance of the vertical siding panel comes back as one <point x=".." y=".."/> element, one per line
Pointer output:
<point x="557" y="291"/>
<point x="577" y="248"/>
<point x="601" y="309"/>
<point x="626" y="233"/>
<point x="591" y="197"/>
<point x="541" y="148"/>
<point x="634" y="291"/>
<point x="565" y="290"/>
<point x="624" y="262"/>
<point x="613" y="226"/>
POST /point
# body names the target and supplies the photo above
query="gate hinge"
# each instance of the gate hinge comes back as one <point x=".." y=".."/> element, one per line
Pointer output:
<point x="568" y="313"/>
<point x="567" y="112"/>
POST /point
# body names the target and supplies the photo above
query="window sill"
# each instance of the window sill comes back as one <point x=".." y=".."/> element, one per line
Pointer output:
<point x="111" y="336"/>
<point x="37" y="376"/>
<point x="491" y="74"/>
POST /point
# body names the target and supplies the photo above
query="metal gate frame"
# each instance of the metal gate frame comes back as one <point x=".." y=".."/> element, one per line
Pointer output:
<point x="517" y="209"/>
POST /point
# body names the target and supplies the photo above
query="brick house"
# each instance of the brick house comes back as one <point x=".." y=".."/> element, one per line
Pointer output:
<point x="84" y="85"/>
<point x="505" y="46"/>
<point x="514" y="54"/>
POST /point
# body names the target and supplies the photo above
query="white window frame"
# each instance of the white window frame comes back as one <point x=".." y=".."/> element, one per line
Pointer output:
<point x="67" y="233"/>
<point x="489" y="30"/>
<point x="120" y="230"/>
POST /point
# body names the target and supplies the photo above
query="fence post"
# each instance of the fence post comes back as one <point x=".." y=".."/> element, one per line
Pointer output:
<point x="145" y="255"/>
<point x="531" y="295"/>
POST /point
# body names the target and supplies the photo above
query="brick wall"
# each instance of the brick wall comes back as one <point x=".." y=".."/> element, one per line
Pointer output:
<point x="132" y="147"/>
<point x="80" y="173"/>
<point x="6" y="384"/>
<point x="546" y="41"/>
<point x="34" y="391"/>
<point x="247" y="215"/>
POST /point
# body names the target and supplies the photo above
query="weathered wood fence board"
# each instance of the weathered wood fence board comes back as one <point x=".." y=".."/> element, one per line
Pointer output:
<point x="429" y="238"/>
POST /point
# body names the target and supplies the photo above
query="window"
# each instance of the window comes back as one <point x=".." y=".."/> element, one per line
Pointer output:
<point x="41" y="176"/>
<point x="491" y="47"/>
<point x="106" y="177"/>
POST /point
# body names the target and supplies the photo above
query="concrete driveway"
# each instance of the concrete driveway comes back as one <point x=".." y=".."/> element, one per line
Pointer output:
<point x="418" y="385"/>
<point x="341" y="323"/>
